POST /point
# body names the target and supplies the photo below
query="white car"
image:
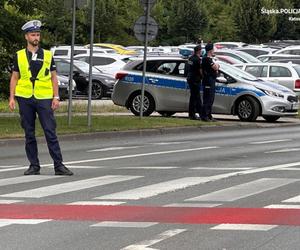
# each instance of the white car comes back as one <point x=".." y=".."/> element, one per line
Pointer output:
<point x="290" y="50"/>
<point x="285" y="74"/>
<point x="107" y="63"/>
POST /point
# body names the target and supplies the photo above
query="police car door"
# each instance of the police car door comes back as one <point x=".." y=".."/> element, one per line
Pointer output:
<point x="169" y="85"/>
<point x="223" y="94"/>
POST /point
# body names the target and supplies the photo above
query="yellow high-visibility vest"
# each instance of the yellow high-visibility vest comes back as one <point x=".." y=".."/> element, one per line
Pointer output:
<point x="43" y="88"/>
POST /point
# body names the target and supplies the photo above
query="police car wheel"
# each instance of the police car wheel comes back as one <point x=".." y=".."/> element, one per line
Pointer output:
<point x="247" y="109"/>
<point x="166" y="113"/>
<point x="97" y="90"/>
<point x="271" y="118"/>
<point x="135" y="103"/>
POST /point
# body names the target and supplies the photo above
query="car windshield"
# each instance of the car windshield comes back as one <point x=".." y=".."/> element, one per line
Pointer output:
<point x="248" y="57"/>
<point x="237" y="73"/>
<point x="297" y="68"/>
<point x="85" y="67"/>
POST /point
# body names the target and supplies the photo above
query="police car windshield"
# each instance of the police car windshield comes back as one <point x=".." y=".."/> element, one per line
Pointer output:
<point x="237" y="73"/>
<point x="85" y="67"/>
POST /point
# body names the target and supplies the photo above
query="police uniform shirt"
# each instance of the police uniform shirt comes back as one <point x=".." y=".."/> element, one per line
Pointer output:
<point x="35" y="62"/>
<point x="194" y="73"/>
<point x="208" y="71"/>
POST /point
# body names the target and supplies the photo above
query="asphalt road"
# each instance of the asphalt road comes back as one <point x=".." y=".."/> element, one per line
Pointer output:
<point x="208" y="189"/>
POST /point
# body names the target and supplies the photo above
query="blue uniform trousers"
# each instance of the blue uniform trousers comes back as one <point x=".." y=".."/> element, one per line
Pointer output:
<point x="209" y="86"/>
<point x="29" y="107"/>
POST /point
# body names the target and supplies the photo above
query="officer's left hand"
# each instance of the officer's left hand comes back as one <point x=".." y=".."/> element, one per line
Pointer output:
<point x="55" y="104"/>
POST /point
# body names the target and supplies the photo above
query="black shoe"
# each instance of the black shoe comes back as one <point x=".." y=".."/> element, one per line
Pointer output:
<point x="205" y="119"/>
<point x="193" y="117"/>
<point x="62" y="170"/>
<point x="32" y="170"/>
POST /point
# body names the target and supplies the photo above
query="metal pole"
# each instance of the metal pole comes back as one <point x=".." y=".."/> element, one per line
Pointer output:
<point x="145" y="59"/>
<point x="71" y="63"/>
<point x="91" y="62"/>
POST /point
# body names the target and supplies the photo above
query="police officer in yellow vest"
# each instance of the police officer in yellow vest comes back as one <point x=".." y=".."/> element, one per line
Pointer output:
<point x="34" y="85"/>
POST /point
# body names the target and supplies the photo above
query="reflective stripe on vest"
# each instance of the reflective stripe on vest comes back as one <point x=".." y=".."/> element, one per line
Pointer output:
<point x="43" y="88"/>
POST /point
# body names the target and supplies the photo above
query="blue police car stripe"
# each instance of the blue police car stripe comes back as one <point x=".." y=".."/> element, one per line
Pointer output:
<point x="177" y="84"/>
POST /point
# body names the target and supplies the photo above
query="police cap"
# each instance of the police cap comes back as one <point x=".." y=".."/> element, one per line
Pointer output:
<point x="197" y="48"/>
<point x="209" y="46"/>
<point x="32" y="26"/>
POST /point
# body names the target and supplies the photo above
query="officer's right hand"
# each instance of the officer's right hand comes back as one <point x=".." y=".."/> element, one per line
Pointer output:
<point x="12" y="104"/>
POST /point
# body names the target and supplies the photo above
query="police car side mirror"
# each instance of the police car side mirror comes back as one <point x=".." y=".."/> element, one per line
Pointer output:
<point x="221" y="79"/>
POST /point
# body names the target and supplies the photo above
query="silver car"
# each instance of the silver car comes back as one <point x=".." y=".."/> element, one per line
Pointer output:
<point x="285" y="74"/>
<point x="167" y="92"/>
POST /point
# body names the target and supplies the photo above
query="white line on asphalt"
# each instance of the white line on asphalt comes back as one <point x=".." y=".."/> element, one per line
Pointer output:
<point x="290" y="169"/>
<point x="81" y="166"/>
<point x="16" y="168"/>
<point x="285" y="150"/>
<point x="247" y="227"/>
<point x="97" y="203"/>
<point x="147" y="243"/>
<point x="6" y="222"/>
<point x="267" y="142"/>
<point x="137" y="155"/>
<point x="9" y="166"/>
<point x="216" y="169"/>
<point x="244" y="190"/>
<point x="168" y="143"/>
<point x="112" y="149"/>
<point x="192" y="205"/>
<point x="70" y="186"/>
<point x="26" y="179"/>
<point x="9" y="201"/>
<point x="295" y="199"/>
<point x="124" y="224"/>
<point x="153" y="167"/>
<point x="156" y="189"/>
<point x="283" y="206"/>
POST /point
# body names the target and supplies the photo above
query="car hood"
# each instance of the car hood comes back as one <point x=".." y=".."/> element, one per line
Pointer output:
<point x="261" y="84"/>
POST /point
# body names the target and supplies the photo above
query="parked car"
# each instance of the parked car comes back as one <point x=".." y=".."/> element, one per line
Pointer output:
<point x="287" y="60"/>
<point x="167" y="92"/>
<point x="229" y="45"/>
<point x="108" y="64"/>
<point x="102" y="84"/>
<point x="290" y="50"/>
<point x="63" y="86"/>
<point x="118" y="48"/>
<point x="271" y="57"/>
<point x="228" y="59"/>
<point x="239" y="55"/>
<point x="285" y="74"/>
<point x="256" y="51"/>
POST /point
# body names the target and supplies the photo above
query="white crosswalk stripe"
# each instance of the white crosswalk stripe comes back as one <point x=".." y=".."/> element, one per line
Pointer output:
<point x="26" y="179"/>
<point x="70" y="186"/>
<point x="7" y="222"/>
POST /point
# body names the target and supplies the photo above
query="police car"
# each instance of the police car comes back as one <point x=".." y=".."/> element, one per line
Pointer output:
<point x="167" y="92"/>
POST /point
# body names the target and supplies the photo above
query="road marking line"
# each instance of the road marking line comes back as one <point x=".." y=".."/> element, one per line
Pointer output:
<point x="216" y="169"/>
<point x="244" y="190"/>
<point x="81" y="166"/>
<point x="9" y="201"/>
<point x="70" y="186"/>
<point x="143" y="245"/>
<point x="7" y="222"/>
<point x="26" y="179"/>
<point x="286" y="150"/>
<point x="290" y="169"/>
<point x="266" y="142"/>
<point x="124" y="224"/>
<point x="192" y="205"/>
<point x="9" y="166"/>
<point x="155" y="189"/>
<point x="97" y="203"/>
<point x="283" y="206"/>
<point x="11" y="169"/>
<point x="137" y="155"/>
<point x="112" y="149"/>
<point x="168" y="143"/>
<point x="246" y="227"/>
<point x="154" y="167"/>
<point x="295" y="199"/>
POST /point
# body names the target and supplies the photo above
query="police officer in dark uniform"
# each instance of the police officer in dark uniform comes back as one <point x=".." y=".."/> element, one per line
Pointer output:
<point x="194" y="77"/>
<point x="210" y="71"/>
<point x="34" y="85"/>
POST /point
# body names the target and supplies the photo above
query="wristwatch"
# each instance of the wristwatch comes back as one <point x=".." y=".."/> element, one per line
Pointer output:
<point x="56" y="97"/>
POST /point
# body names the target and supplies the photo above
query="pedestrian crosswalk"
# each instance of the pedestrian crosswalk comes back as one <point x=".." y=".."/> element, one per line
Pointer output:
<point x="139" y="188"/>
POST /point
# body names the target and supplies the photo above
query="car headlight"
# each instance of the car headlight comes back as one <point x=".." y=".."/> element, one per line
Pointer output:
<point x="272" y="93"/>
<point x="109" y="81"/>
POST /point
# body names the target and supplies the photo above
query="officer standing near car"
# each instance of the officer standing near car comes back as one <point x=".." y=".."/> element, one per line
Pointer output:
<point x="194" y="77"/>
<point x="210" y="71"/>
<point x="34" y="85"/>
